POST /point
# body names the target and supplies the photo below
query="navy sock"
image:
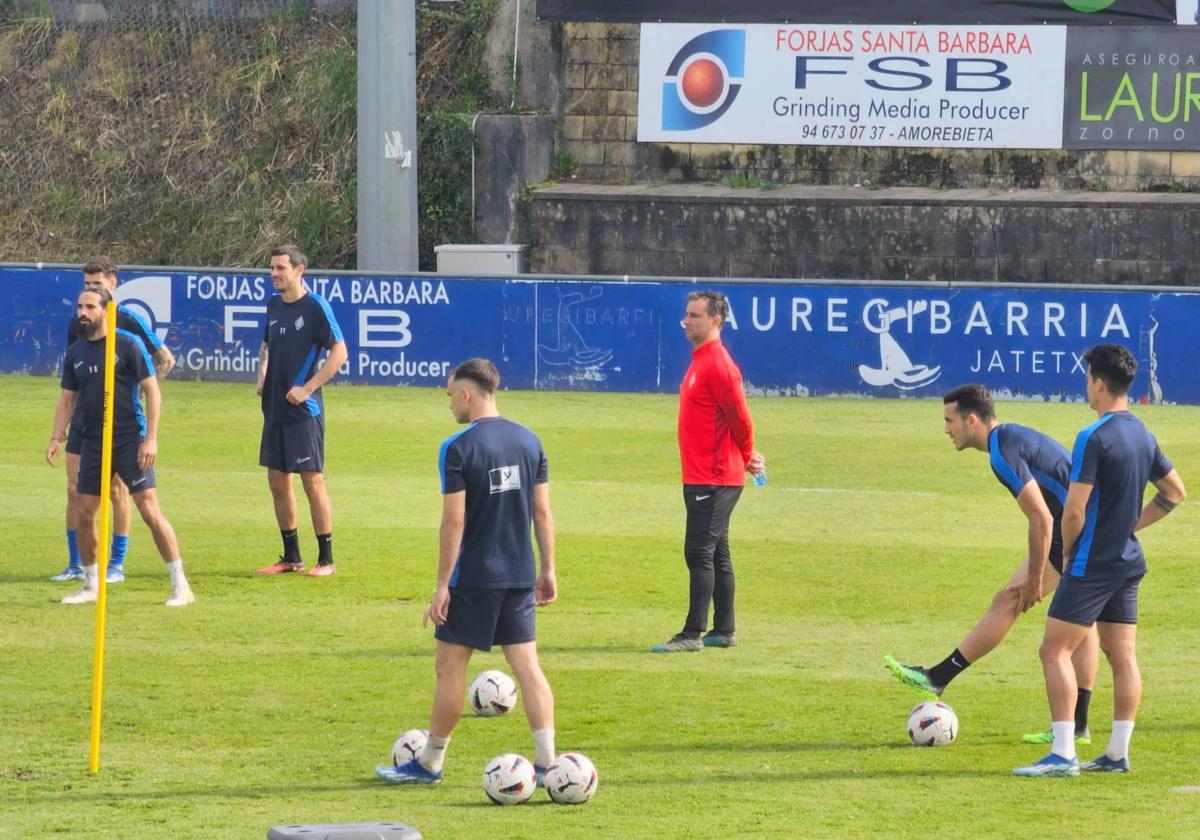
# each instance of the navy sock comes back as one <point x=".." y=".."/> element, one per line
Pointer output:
<point x="949" y="668"/>
<point x="291" y="546"/>
<point x="73" y="558"/>
<point x="120" y="545"/>
<point x="325" y="548"/>
<point x="1082" y="700"/>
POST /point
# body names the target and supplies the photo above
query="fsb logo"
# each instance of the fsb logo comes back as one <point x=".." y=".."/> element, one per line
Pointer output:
<point x="703" y="79"/>
<point x="150" y="298"/>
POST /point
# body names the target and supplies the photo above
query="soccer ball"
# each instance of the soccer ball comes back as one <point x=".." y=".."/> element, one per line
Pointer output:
<point x="509" y="779"/>
<point x="409" y="746"/>
<point x="571" y="779"/>
<point x="932" y="724"/>
<point x="493" y="693"/>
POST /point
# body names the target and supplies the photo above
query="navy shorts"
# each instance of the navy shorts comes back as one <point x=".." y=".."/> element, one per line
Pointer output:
<point x="1085" y="601"/>
<point x="124" y="464"/>
<point x="293" y="447"/>
<point x="480" y="618"/>
<point x="74" y="443"/>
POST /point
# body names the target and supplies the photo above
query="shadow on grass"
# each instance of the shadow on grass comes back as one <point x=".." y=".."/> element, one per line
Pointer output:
<point x="427" y="652"/>
<point x="749" y="746"/>
<point x="765" y="777"/>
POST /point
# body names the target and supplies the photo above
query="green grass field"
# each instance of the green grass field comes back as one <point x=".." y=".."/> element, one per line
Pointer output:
<point x="271" y="700"/>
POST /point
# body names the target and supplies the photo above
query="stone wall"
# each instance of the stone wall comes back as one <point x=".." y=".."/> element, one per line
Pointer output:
<point x="599" y="128"/>
<point x="893" y="234"/>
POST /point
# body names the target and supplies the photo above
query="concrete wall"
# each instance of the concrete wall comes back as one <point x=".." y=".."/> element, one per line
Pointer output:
<point x="893" y="234"/>
<point x="538" y="48"/>
<point x="599" y="127"/>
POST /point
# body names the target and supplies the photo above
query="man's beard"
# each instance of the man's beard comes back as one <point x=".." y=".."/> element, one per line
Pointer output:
<point x="90" y="328"/>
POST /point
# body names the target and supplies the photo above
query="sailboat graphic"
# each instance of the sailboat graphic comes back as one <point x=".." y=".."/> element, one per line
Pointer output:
<point x="895" y="368"/>
<point x="570" y="348"/>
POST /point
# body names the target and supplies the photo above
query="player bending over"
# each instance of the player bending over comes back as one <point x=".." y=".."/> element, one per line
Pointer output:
<point x="1035" y="469"/>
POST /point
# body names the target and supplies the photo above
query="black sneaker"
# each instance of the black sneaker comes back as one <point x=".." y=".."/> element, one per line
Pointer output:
<point x="718" y="640"/>
<point x="679" y="643"/>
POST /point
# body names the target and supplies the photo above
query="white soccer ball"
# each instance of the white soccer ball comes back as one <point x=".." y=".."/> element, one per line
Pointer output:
<point x="493" y="693"/>
<point x="409" y="746"/>
<point x="571" y="779"/>
<point x="509" y="779"/>
<point x="932" y="724"/>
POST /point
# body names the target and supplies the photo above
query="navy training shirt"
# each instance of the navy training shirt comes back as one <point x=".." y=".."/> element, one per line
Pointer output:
<point x="295" y="334"/>
<point x="1118" y="456"/>
<point x="497" y="462"/>
<point x="127" y="320"/>
<point x="1020" y="454"/>
<point x="83" y="373"/>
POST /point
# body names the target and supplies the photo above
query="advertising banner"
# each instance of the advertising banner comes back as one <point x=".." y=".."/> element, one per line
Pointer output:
<point x="1074" y="12"/>
<point x="810" y="84"/>
<point x="1139" y="89"/>
<point x="788" y="338"/>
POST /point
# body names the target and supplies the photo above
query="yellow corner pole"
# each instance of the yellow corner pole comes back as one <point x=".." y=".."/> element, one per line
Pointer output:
<point x="103" y="528"/>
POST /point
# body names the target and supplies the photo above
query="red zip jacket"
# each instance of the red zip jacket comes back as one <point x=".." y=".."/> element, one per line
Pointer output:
<point x="716" y="435"/>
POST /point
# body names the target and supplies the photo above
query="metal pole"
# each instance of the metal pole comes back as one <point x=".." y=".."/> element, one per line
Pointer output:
<point x="387" y="135"/>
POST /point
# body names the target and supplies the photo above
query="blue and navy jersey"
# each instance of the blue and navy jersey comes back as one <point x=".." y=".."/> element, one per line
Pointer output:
<point x="129" y="321"/>
<point x="295" y="334"/>
<point x="1020" y="455"/>
<point x="83" y="373"/>
<point x="497" y="462"/>
<point x="1118" y="456"/>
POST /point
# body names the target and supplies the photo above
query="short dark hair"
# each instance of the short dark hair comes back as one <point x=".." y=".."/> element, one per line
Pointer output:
<point x="294" y="254"/>
<point x="480" y="371"/>
<point x="100" y="265"/>
<point x="972" y="399"/>
<point x="98" y="290"/>
<point x="1113" y="365"/>
<point x="717" y="304"/>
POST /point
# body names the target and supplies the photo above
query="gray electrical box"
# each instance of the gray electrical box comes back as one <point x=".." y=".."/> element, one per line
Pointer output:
<point x="345" y="831"/>
<point x="463" y="260"/>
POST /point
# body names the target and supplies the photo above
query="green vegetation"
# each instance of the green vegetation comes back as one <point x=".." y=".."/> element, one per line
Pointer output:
<point x="205" y="142"/>
<point x="749" y="182"/>
<point x="563" y="166"/>
<point x="271" y="700"/>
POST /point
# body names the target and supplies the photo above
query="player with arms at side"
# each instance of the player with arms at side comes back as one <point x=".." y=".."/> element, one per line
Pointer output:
<point x="134" y="439"/>
<point x="102" y="271"/>
<point x="495" y="485"/>
<point x="290" y="374"/>
<point x="1112" y="462"/>
<point x="1035" y="469"/>
<point x="716" y="450"/>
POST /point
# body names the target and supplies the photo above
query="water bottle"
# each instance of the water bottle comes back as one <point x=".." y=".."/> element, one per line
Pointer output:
<point x="760" y="478"/>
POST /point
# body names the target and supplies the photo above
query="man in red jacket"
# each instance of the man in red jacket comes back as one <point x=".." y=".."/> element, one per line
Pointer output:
<point x="716" y="448"/>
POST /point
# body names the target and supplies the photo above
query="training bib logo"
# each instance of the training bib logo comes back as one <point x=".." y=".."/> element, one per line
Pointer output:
<point x="504" y="479"/>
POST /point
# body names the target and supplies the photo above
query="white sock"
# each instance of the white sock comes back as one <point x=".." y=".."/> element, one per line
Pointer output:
<point x="543" y="744"/>
<point x="1118" y="742"/>
<point x="175" y="570"/>
<point x="90" y="580"/>
<point x="1064" y="738"/>
<point x="434" y="755"/>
